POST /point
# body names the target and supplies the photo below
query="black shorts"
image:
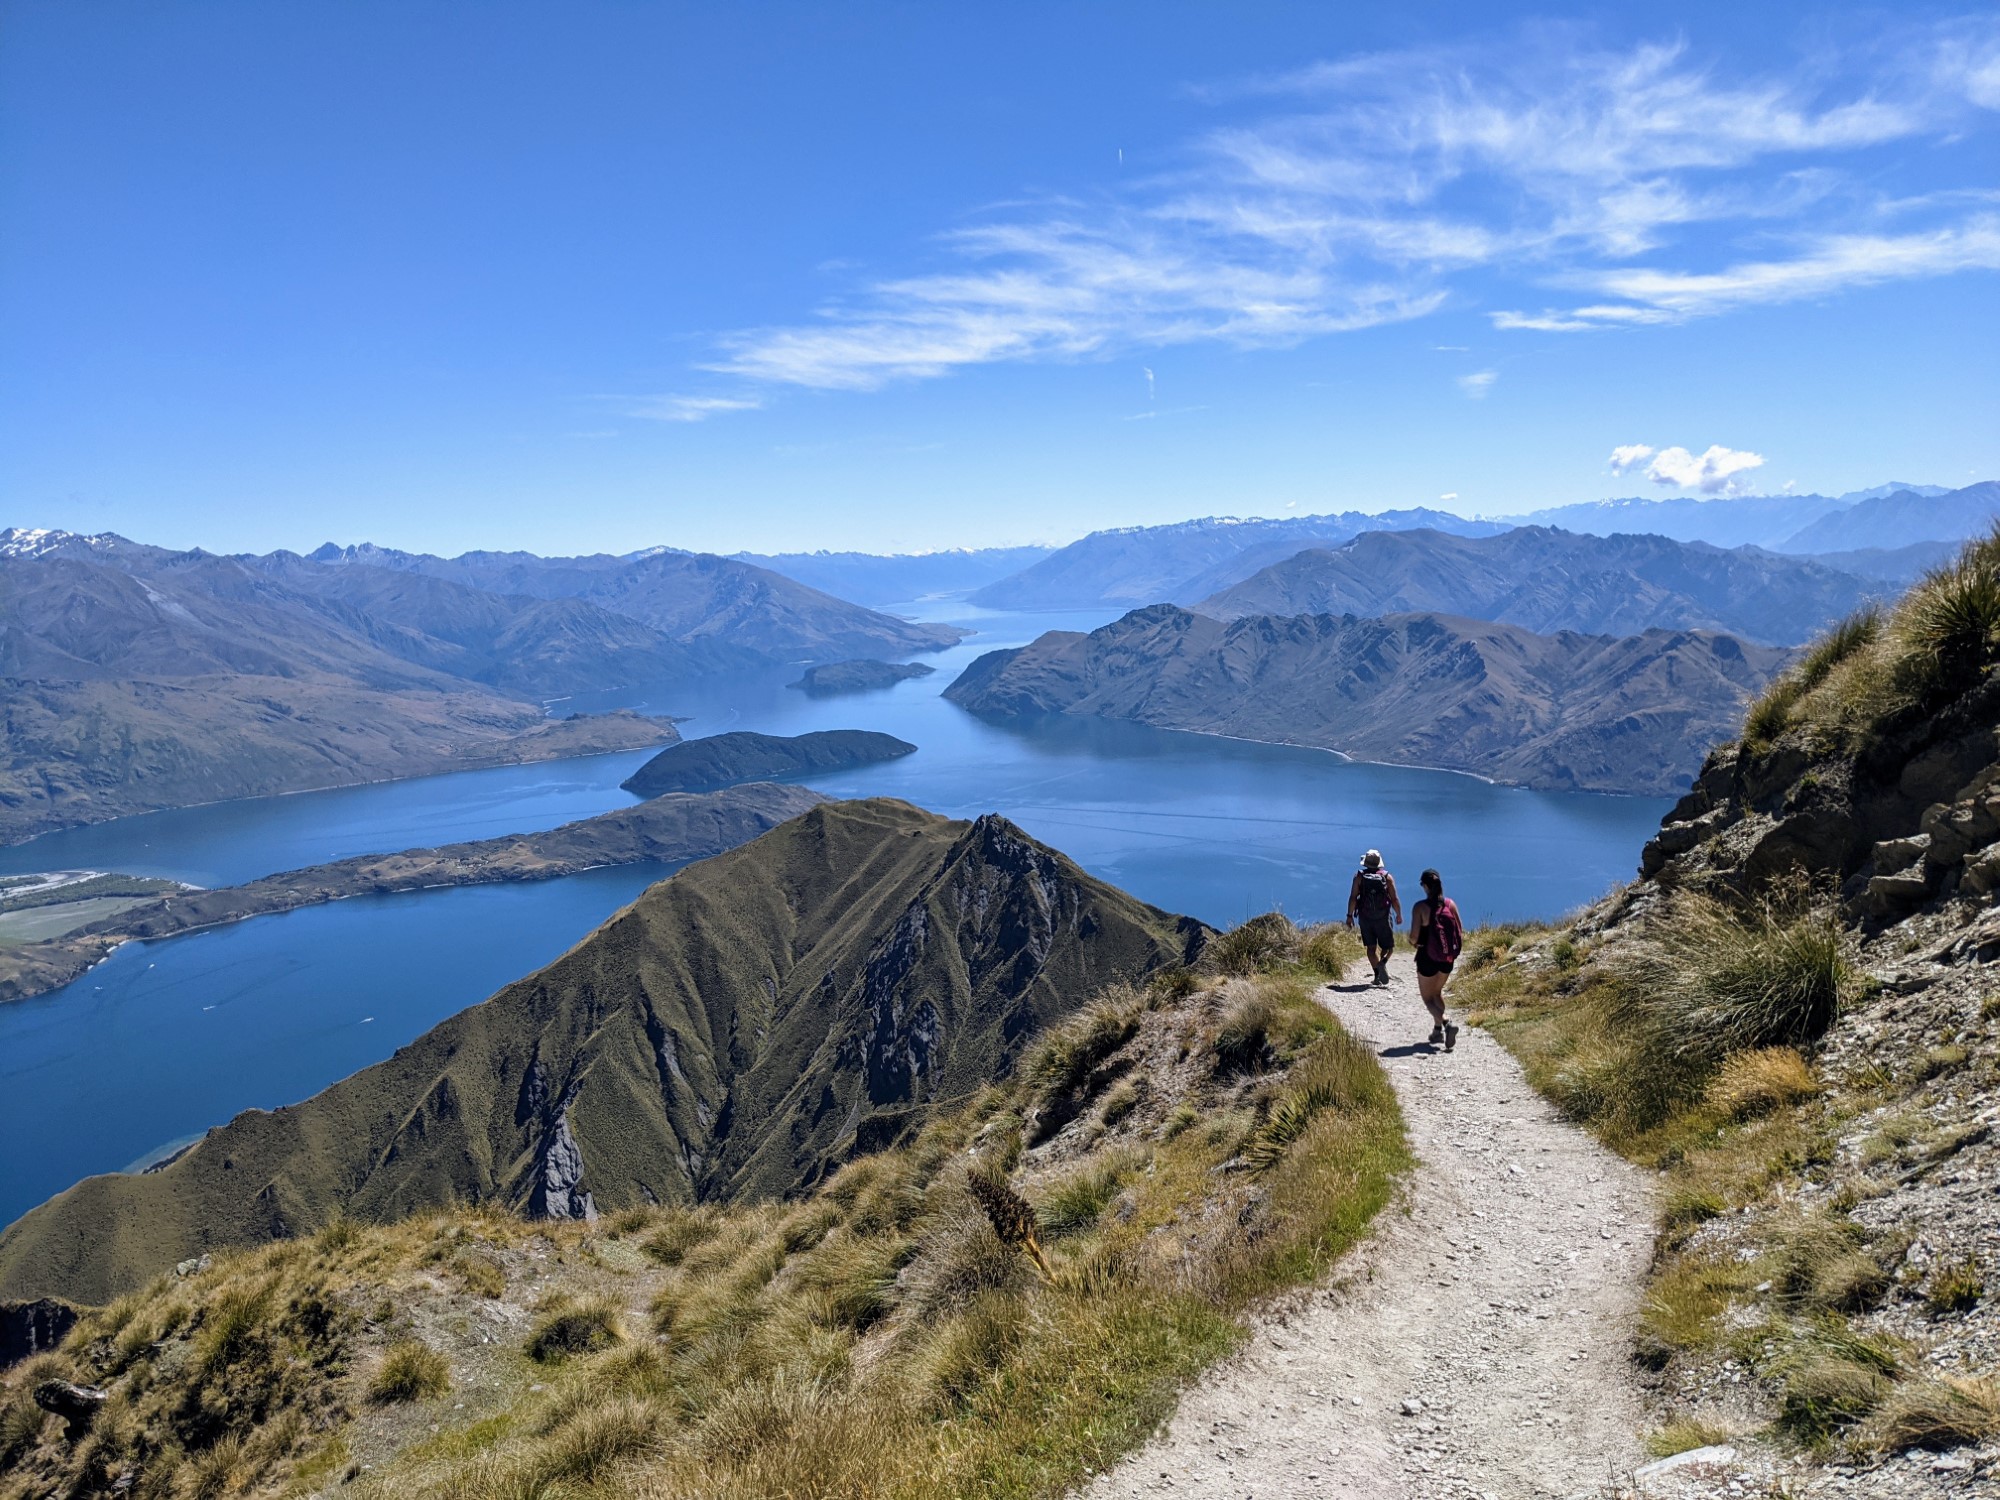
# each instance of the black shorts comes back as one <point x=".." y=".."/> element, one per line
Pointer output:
<point x="1430" y="968"/>
<point x="1378" y="931"/>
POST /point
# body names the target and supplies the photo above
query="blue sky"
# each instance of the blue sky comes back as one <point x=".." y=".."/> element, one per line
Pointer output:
<point x="770" y="276"/>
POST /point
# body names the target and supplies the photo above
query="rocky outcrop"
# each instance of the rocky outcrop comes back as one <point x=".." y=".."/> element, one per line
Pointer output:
<point x="29" y="1328"/>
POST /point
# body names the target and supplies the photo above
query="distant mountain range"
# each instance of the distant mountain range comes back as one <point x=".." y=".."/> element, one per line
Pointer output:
<point x="1563" y="712"/>
<point x="137" y="677"/>
<point x="1549" y="580"/>
<point x="1190" y="559"/>
<point x="1195" y="560"/>
<point x="1782" y="523"/>
<point x="898" y="577"/>
<point x="738" y="1032"/>
<point x="691" y="596"/>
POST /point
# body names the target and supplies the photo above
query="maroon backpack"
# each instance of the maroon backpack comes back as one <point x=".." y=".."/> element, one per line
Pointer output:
<point x="1444" y="935"/>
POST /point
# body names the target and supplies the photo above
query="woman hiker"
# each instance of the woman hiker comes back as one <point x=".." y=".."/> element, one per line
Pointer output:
<point x="1372" y="897"/>
<point x="1437" y="935"/>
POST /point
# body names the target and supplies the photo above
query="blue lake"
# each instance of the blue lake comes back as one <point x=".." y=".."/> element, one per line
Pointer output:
<point x="168" y="1038"/>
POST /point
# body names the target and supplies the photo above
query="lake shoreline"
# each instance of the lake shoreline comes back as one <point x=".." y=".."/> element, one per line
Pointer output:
<point x="675" y="828"/>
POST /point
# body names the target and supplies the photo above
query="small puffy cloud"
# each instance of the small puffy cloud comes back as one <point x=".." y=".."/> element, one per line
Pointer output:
<point x="1628" y="456"/>
<point x="693" y="408"/>
<point x="1478" y="383"/>
<point x="1449" y="495"/>
<point x="1712" y="472"/>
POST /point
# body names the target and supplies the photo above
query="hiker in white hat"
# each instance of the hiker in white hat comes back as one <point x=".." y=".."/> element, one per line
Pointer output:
<point x="1373" y="900"/>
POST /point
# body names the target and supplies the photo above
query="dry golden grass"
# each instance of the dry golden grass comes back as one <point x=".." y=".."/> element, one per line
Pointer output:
<point x="1929" y="1412"/>
<point x="877" y="1339"/>
<point x="1748" y="1084"/>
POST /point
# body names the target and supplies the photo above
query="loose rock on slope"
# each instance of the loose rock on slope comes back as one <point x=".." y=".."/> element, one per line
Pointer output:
<point x="1477" y="1345"/>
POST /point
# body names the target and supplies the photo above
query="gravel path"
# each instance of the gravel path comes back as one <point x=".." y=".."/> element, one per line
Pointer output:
<point x="1477" y="1345"/>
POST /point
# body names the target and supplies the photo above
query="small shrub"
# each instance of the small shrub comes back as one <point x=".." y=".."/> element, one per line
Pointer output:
<point x="1757" y="1082"/>
<point x="1942" y="1059"/>
<point x="1938" y="1414"/>
<point x="1821" y="1263"/>
<point x="1955" y="1288"/>
<point x="573" y="1328"/>
<point x="1947" y="629"/>
<point x="1183" y="1116"/>
<point x="1339" y="1073"/>
<point x="1174" y="982"/>
<point x="411" y="1371"/>
<point x="958" y="1258"/>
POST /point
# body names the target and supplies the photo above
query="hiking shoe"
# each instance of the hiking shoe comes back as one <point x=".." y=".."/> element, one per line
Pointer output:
<point x="1437" y="1035"/>
<point x="1450" y="1036"/>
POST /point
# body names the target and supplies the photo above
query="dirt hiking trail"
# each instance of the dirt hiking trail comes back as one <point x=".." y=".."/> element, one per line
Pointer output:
<point x="1477" y="1345"/>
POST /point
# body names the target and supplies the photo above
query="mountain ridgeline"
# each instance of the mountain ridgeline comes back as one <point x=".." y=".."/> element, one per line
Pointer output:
<point x="135" y="677"/>
<point x="736" y="1033"/>
<point x="1563" y="712"/>
<point x="1548" y="580"/>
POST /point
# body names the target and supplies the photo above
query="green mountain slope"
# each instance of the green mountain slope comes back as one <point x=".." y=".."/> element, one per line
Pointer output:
<point x="733" y="1034"/>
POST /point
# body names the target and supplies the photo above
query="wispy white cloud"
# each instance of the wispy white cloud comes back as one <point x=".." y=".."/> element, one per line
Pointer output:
<point x="693" y="408"/>
<point x="1478" y="383"/>
<point x="1712" y="472"/>
<point x="1377" y="188"/>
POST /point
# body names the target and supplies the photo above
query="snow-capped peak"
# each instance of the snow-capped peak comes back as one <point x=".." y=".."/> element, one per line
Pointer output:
<point x="39" y="541"/>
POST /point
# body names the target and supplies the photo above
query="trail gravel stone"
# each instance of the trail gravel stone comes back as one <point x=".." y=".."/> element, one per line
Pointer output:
<point x="1476" y="1347"/>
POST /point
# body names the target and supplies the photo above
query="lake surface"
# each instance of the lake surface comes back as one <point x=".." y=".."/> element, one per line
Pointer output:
<point x="167" y="1038"/>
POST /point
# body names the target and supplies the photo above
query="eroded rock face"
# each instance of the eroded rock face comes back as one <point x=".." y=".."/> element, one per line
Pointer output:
<point x="30" y="1328"/>
<point x="559" y="1191"/>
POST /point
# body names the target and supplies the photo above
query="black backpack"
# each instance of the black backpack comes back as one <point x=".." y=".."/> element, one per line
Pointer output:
<point x="1374" y="901"/>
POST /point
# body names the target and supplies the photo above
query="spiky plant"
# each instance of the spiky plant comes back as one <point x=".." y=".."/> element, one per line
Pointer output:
<point x="1012" y="1217"/>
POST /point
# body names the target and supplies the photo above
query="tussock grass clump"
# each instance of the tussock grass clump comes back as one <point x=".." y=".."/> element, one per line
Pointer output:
<point x="1824" y="1392"/>
<point x="1941" y="639"/>
<point x="1937" y="1414"/>
<point x="1258" y="944"/>
<point x="1757" y="1082"/>
<point x="571" y="1328"/>
<point x="411" y="1371"/>
<point x="1683" y="1435"/>
<point x="1711" y="979"/>
<point x="1338" y="1073"/>
<point x="1331" y="949"/>
<point x="679" y="1231"/>
<point x="1075" y="1203"/>
<point x="1067" y="1055"/>
<point x="1955" y="1287"/>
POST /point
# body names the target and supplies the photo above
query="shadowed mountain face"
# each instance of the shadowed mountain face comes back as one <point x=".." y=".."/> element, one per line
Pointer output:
<point x="1189" y="560"/>
<point x="742" y="755"/>
<point x="736" y="1033"/>
<point x="1563" y="712"/>
<point x="1548" y="580"/>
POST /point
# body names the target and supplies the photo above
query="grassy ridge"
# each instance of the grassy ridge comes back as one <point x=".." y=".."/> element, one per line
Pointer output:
<point x="1170" y="1153"/>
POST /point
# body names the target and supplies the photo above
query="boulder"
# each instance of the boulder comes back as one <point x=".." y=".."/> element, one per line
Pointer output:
<point x="1815" y="842"/>
<point x="1891" y="895"/>
<point x="76" y="1404"/>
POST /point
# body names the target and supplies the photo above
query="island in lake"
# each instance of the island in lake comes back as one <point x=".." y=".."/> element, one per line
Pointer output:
<point x="863" y="676"/>
<point x="730" y="759"/>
